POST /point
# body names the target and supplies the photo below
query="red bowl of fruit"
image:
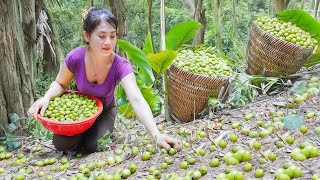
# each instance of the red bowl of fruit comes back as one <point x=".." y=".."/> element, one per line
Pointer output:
<point x="72" y="113"/>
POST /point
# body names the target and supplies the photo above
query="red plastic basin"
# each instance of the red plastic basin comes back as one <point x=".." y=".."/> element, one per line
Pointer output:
<point x="74" y="127"/>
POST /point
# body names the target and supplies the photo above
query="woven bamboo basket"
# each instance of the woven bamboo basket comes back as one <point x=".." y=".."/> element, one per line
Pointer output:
<point x="271" y="56"/>
<point x="189" y="93"/>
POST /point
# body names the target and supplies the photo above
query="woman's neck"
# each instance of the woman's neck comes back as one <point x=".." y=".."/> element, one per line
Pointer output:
<point x="104" y="59"/>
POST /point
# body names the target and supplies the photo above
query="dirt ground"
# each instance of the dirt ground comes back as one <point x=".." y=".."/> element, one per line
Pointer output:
<point x="215" y="127"/>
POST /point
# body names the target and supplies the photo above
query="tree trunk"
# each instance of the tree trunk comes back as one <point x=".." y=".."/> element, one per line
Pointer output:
<point x="200" y="16"/>
<point x="270" y="8"/>
<point x="48" y="45"/>
<point x="118" y="10"/>
<point x="234" y="18"/>
<point x="316" y="7"/>
<point x="217" y="22"/>
<point x="281" y="5"/>
<point x="189" y="5"/>
<point x="163" y="47"/>
<point x="150" y="22"/>
<point x="17" y="49"/>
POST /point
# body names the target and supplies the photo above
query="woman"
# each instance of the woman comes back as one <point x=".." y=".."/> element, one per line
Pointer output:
<point x="97" y="70"/>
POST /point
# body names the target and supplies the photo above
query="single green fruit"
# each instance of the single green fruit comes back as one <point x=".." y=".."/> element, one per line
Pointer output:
<point x="196" y="175"/>
<point x="191" y="160"/>
<point x="289" y="139"/>
<point x="41" y="174"/>
<point x="19" y="177"/>
<point x="164" y="165"/>
<point x="202" y="152"/>
<point x="184" y="165"/>
<point x="317" y="129"/>
<point x="152" y="169"/>
<point x="222" y="143"/>
<point x="134" y="150"/>
<point x="303" y="129"/>
<point x="132" y="167"/>
<point x="157" y="174"/>
<point x="64" y="160"/>
<point x="256" y="145"/>
<point x="164" y="151"/>
<point x="299" y="99"/>
<point x="172" y="151"/>
<point x="203" y="169"/>
<point x="272" y="156"/>
<point x="254" y="134"/>
<point x="259" y="173"/>
<point x="247" y="167"/>
<point x="126" y="173"/>
<point x="248" y="116"/>
<point x="214" y="162"/>
<point x="146" y="155"/>
<point x="20" y="155"/>
<point x="111" y="160"/>
<point x="233" y="138"/>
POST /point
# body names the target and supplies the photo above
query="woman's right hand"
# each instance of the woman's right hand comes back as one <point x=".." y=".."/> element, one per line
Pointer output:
<point x="42" y="104"/>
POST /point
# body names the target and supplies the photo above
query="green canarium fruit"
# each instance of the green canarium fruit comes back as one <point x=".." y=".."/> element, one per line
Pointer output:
<point x="286" y="31"/>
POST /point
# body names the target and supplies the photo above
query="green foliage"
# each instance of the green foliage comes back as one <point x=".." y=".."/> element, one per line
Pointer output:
<point x="160" y="62"/>
<point x="42" y="85"/>
<point x="104" y="142"/>
<point x="148" y="47"/>
<point x="149" y="94"/>
<point x="139" y="58"/>
<point x="180" y="34"/>
<point x="11" y="142"/>
<point x="303" y="20"/>
<point x="243" y="91"/>
<point x="68" y="21"/>
<point x="299" y="87"/>
<point x="292" y="121"/>
<point x="313" y="60"/>
<point x="36" y="129"/>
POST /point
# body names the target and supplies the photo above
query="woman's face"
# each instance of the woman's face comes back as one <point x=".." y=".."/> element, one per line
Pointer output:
<point x="103" y="39"/>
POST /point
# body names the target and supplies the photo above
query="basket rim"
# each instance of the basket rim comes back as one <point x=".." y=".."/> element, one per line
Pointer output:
<point x="78" y="122"/>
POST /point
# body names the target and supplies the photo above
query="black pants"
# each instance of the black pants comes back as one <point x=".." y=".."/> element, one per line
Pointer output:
<point x="88" y="139"/>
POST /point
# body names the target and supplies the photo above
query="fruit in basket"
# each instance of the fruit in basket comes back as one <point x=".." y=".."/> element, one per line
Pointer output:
<point x="203" y="61"/>
<point x="71" y="107"/>
<point x="286" y="31"/>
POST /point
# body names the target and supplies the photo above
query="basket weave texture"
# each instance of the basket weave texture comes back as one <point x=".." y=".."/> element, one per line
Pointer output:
<point x="189" y="93"/>
<point x="271" y="56"/>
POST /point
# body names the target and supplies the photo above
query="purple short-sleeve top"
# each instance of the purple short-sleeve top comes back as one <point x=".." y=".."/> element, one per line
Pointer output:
<point x="105" y="92"/>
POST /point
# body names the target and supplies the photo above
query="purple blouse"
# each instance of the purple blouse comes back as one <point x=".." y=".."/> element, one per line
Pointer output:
<point x="105" y="92"/>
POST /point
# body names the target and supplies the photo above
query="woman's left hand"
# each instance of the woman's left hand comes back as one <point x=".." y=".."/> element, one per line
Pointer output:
<point x="167" y="142"/>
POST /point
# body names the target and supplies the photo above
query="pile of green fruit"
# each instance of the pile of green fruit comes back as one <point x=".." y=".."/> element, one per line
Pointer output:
<point x="71" y="107"/>
<point x="286" y="31"/>
<point x="203" y="61"/>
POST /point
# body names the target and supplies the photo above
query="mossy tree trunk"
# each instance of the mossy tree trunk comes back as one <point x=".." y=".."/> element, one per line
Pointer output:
<point x="118" y="10"/>
<point x="17" y="50"/>
<point x="281" y="5"/>
<point x="48" y="46"/>
<point x="150" y="22"/>
<point x="196" y="10"/>
<point x="316" y="7"/>
<point x="217" y="4"/>
<point x="200" y="16"/>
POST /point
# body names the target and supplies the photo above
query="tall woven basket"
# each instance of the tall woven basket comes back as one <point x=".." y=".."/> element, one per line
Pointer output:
<point x="271" y="56"/>
<point x="189" y="93"/>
